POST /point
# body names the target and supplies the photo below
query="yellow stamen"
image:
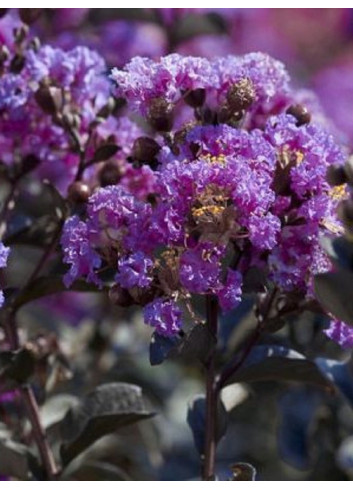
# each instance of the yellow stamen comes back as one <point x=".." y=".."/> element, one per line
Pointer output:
<point x="214" y="160"/>
<point x="214" y="210"/>
<point x="339" y="192"/>
<point x="332" y="226"/>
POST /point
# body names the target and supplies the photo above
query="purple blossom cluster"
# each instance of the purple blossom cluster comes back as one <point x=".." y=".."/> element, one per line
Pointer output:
<point x="236" y="180"/>
<point x="144" y="82"/>
<point x="55" y="107"/>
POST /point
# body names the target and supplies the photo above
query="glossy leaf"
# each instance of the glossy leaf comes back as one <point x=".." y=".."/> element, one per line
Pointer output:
<point x="197" y="344"/>
<point x="340" y="374"/>
<point x="161" y="347"/>
<point x="15" y="368"/>
<point x="94" y="471"/>
<point x="339" y="250"/>
<point x="107" y="408"/>
<point x="15" y="459"/>
<point x="196" y="418"/>
<point x="273" y="362"/>
<point x="297" y="409"/>
<point x="334" y="292"/>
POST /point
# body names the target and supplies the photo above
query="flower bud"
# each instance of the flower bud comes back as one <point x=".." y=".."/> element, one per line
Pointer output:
<point x="20" y="33"/>
<point x="17" y="63"/>
<point x="195" y="98"/>
<point x="301" y="113"/>
<point x="241" y="95"/>
<point x="160" y="115"/>
<point x="227" y="116"/>
<point x="206" y="115"/>
<point x="110" y="174"/>
<point x="107" y="109"/>
<point x="4" y="54"/>
<point x="120" y="297"/>
<point x="145" y="149"/>
<point x="30" y="162"/>
<point x="49" y="99"/>
<point x="79" y="193"/>
<point x="34" y="44"/>
<point x="152" y="199"/>
<point x="336" y="175"/>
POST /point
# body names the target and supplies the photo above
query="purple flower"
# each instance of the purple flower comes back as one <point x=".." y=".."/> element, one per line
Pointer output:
<point x="4" y="253"/>
<point x="112" y="207"/>
<point x="229" y="295"/>
<point x="268" y="75"/>
<point x="200" y="269"/>
<point x="135" y="271"/>
<point x="8" y="396"/>
<point x="309" y="150"/>
<point x="235" y="180"/>
<point x="75" y="79"/>
<point x="78" y="252"/>
<point x="340" y="333"/>
<point x="143" y="80"/>
<point x="264" y="231"/>
<point x="297" y="257"/>
<point x="164" y="315"/>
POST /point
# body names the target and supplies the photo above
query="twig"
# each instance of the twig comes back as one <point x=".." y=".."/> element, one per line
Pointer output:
<point x="32" y="408"/>
<point x="39" y="433"/>
<point x="211" y="394"/>
<point x="262" y="318"/>
<point x="45" y="256"/>
<point x="6" y="207"/>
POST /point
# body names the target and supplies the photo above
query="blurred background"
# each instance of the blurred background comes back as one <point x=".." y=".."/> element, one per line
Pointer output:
<point x="288" y="432"/>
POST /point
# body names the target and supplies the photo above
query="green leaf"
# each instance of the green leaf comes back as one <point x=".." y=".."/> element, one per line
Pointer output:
<point x="273" y="362"/>
<point x="334" y="291"/>
<point x="100" y="413"/>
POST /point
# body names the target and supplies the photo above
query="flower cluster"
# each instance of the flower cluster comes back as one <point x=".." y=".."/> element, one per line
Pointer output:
<point x="237" y="180"/>
<point x="56" y="109"/>
<point x="154" y="88"/>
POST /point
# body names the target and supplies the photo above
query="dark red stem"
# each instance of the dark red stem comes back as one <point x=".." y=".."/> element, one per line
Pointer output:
<point x="211" y="395"/>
